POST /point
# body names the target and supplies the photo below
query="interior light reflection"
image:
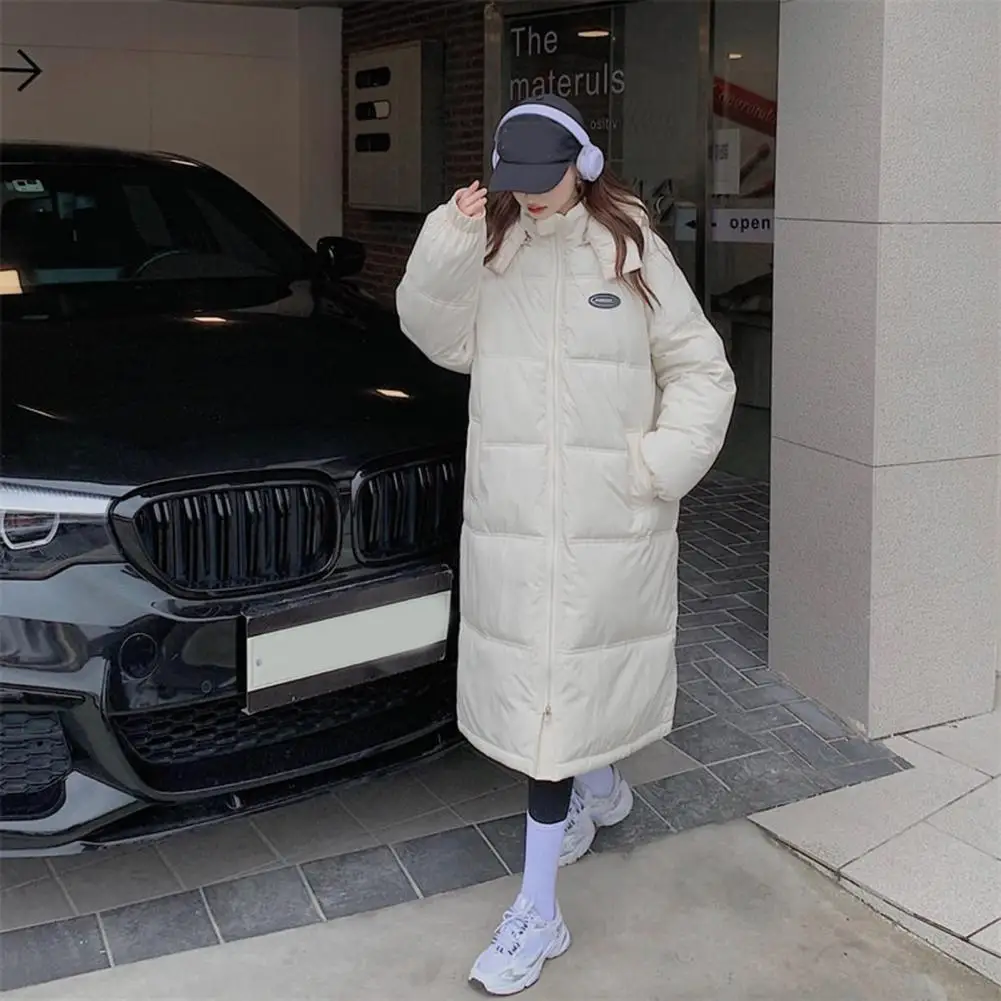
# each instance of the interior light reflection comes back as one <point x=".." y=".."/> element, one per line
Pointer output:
<point x="40" y="413"/>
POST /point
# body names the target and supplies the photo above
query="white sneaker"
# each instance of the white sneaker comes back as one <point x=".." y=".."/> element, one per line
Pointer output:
<point x="522" y="944"/>
<point x="589" y="812"/>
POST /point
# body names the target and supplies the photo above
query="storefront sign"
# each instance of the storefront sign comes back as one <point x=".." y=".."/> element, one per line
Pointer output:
<point x="729" y="225"/>
<point x="743" y="225"/>
<point x="593" y="80"/>
<point x="744" y="107"/>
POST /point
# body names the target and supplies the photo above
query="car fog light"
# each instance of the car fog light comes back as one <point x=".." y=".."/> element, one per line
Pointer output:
<point x="137" y="656"/>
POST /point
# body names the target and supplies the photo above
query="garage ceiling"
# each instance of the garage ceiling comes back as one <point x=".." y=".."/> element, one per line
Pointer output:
<point x="278" y="3"/>
<point x="346" y="3"/>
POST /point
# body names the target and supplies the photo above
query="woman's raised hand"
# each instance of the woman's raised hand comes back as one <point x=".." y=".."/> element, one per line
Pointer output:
<point x="472" y="201"/>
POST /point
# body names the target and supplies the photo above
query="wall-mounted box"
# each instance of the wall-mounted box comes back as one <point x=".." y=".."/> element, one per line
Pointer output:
<point x="396" y="134"/>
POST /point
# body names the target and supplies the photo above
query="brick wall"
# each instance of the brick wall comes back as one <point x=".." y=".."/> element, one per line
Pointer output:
<point x="389" y="236"/>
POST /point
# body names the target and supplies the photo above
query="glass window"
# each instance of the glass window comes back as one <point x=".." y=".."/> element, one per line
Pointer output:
<point x="577" y="55"/>
<point x="633" y="71"/>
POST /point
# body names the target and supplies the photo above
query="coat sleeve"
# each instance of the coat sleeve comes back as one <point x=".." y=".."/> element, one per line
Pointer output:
<point x="439" y="294"/>
<point x="695" y="379"/>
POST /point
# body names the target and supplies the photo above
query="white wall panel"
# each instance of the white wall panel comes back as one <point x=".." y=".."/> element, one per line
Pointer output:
<point x="221" y="30"/>
<point x="238" y="113"/>
<point x="83" y="95"/>
<point x="223" y="84"/>
<point x="81" y="24"/>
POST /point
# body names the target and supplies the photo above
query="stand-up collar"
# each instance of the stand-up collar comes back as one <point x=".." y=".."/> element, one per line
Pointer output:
<point x="574" y="227"/>
<point x="568" y="226"/>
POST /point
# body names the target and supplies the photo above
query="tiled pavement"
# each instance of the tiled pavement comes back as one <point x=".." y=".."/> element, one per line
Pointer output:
<point x="922" y="847"/>
<point x="745" y="741"/>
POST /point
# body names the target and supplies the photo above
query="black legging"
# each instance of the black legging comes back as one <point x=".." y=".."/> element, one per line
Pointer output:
<point x="549" y="802"/>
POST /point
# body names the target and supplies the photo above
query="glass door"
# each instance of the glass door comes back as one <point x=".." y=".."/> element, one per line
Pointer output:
<point x="664" y="156"/>
<point x="742" y="193"/>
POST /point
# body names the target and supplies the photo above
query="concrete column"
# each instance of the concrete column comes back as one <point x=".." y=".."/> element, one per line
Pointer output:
<point x="320" y="122"/>
<point x="886" y="563"/>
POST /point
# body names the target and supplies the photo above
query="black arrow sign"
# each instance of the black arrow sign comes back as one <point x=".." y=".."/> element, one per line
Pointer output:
<point x="31" y="69"/>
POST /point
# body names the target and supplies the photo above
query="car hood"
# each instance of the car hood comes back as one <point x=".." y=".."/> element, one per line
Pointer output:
<point x="121" y="398"/>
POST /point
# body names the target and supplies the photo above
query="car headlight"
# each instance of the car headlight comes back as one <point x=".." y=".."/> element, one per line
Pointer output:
<point x="43" y="531"/>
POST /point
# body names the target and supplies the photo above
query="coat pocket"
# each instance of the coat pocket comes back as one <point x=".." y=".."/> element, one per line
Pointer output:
<point x="641" y="486"/>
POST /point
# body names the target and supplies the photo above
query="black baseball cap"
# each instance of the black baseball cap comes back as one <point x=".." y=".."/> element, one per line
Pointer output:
<point x="533" y="153"/>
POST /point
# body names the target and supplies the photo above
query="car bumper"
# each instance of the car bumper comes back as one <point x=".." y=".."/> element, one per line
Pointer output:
<point x="126" y="711"/>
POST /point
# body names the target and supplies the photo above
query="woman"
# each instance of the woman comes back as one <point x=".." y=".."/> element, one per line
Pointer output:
<point x="600" y="396"/>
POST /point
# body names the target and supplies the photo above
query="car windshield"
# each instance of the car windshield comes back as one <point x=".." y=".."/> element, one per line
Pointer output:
<point x="87" y="225"/>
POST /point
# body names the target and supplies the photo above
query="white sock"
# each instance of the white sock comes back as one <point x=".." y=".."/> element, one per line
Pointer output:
<point x="543" y="843"/>
<point x="599" y="783"/>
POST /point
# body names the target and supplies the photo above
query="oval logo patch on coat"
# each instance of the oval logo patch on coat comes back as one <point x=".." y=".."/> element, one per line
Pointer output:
<point x="604" y="300"/>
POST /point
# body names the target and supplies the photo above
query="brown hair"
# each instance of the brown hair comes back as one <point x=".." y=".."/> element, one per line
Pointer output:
<point x="609" y="201"/>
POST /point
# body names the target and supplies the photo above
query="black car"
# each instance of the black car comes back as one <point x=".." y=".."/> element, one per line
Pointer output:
<point x="230" y="499"/>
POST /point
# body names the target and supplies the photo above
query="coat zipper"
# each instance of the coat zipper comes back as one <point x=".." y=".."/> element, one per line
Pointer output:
<point x="554" y="561"/>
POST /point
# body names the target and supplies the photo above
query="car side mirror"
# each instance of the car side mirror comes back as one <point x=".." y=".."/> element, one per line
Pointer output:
<point x="340" y="257"/>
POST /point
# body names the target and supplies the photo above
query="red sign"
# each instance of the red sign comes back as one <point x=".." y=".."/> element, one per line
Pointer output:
<point x="744" y="107"/>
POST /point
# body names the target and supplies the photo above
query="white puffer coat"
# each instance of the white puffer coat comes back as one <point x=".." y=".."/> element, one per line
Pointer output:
<point x="591" y="416"/>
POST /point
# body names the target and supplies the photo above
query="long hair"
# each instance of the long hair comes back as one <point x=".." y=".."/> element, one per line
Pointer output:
<point x="609" y="201"/>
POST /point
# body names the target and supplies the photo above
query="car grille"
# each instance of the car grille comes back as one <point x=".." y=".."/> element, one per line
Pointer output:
<point x="408" y="510"/>
<point x="239" y="539"/>
<point x="34" y="761"/>
<point x="212" y="744"/>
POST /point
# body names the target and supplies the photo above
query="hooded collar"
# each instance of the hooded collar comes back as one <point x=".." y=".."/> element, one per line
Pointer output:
<point x="576" y="227"/>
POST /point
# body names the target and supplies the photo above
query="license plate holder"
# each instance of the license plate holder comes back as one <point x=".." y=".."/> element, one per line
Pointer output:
<point x="356" y="634"/>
